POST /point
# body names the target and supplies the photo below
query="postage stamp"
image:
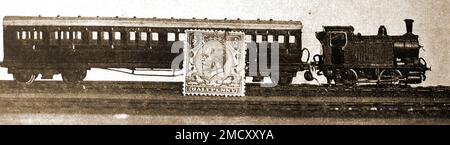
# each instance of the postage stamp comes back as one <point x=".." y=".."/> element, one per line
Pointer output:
<point x="214" y="63"/>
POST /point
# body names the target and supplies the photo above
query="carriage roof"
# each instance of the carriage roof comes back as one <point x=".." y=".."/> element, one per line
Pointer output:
<point x="151" y="22"/>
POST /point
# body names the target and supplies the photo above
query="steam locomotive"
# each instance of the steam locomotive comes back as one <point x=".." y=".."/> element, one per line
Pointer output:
<point x="351" y="59"/>
<point x="70" y="46"/>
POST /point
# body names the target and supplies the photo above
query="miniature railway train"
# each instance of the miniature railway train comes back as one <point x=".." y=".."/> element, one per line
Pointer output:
<point x="72" y="45"/>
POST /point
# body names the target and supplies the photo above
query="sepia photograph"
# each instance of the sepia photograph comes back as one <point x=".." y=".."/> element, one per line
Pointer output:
<point x="225" y="62"/>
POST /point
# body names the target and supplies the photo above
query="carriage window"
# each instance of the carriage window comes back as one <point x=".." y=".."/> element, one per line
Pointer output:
<point x="270" y="38"/>
<point x="338" y="39"/>
<point x="170" y="36"/>
<point x="62" y="35"/>
<point x="155" y="37"/>
<point x="248" y="38"/>
<point x="132" y="35"/>
<point x="78" y="35"/>
<point x="67" y="35"/>
<point x="105" y="36"/>
<point x="280" y="39"/>
<point x="182" y="37"/>
<point x="291" y="39"/>
<point x="29" y="35"/>
<point x="94" y="35"/>
<point x="117" y="35"/>
<point x="258" y="38"/>
<point x="24" y="35"/>
<point x="18" y="35"/>
<point x="56" y="35"/>
<point x="144" y="36"/>
<point x="35" y="35"/>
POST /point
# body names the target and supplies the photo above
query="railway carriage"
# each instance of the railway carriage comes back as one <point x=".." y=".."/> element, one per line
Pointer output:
<point x="72" y="45"/>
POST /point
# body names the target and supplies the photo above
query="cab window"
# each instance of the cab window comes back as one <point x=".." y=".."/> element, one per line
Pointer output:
<point x="338" y="39"/>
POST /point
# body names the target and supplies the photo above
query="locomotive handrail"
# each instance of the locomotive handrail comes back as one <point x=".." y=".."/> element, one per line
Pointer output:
<point x="316" y="62"/>
<point x="314" y="57"/>
<point x="307" y="50"/>
<point x="424" y="64"/>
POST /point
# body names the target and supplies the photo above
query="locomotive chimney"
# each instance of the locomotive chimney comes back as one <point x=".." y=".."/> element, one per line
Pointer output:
<point x="409" y="26"/>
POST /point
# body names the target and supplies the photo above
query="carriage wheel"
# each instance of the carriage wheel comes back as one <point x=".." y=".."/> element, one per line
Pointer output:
<point x="73" y="76"/>
<point x="25" y="78"/>
<point x="285" y="79"/>
<point x="350" y="77"/>
<point x="390" y="76"/>
<point x="181" y="66"/>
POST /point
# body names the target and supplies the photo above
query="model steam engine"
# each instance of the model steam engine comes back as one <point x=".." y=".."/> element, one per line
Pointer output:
<point x="350" y="59"/>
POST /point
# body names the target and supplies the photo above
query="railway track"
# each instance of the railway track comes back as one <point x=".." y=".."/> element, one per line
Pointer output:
<point x="227" y="107"/>
<point x="251" y="89"/>
<point x="166" y="98"/>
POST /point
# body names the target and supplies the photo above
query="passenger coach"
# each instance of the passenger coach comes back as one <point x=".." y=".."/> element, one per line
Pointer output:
<point x="72" y="45"/>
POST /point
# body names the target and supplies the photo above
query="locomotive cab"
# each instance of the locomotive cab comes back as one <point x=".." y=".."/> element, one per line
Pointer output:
<point x="334" y="41"/>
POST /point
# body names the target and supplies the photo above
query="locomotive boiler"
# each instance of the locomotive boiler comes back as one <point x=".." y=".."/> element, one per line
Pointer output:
<point x="349" y="59"/>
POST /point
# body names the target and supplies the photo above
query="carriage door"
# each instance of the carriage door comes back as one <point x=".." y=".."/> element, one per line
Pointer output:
<point x="141" y="52"/>
<point x="171" y="37"/>
<point x="25" y="44"/>
<point x="105" y="46"/>
<point x="133" y="39"/>
<point x="118" y="46"/>
<point x="40" y="44"/>
<point x="76" y="45"/>
<point x="66" y="45"/>
<point x="338" y="41"/>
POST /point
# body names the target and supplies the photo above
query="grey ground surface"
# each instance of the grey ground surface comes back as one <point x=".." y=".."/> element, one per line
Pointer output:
<point x="93" y="104"/>
<point x="123" y="119"/>
<point x="29" y="112"/>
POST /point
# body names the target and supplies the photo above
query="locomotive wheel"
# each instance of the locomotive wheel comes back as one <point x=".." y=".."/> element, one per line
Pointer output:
<point x="329" y="80"/>
<point x="350" y="77"/>
<point x="25" y="78"/>
<point x="391" y="77"/>
<point x="73" y="76"/>
<point x="329" y="75"/>
<point x="338" y="78"/>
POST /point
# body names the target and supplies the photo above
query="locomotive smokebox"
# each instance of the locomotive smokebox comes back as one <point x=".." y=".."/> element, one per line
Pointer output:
<point x="407" y="47"/>
<point x="409" y="26"/>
